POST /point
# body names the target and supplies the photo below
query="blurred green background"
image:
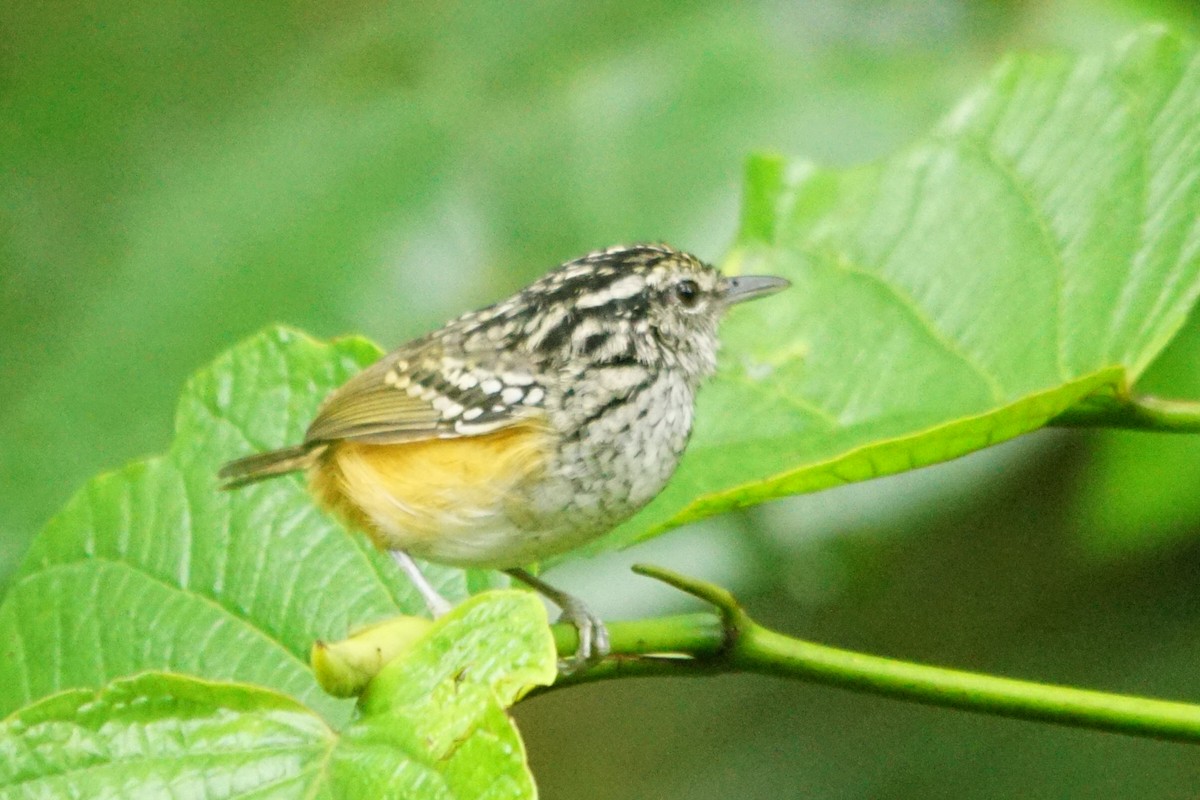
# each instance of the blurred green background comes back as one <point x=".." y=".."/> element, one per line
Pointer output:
<point x="174" y="176"/>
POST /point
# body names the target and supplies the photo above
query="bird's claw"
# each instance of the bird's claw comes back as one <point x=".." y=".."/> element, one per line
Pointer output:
<point x="593" y="638"/>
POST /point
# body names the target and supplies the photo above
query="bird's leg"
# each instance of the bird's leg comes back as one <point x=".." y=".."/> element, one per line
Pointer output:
<point x="437" y="605"/>
<point x="593" y="636"/>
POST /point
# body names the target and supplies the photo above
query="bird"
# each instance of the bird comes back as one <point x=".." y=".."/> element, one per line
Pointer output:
<point x="524" y="429"/>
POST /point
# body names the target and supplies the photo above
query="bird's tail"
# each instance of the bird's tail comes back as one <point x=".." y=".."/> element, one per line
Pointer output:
<point x="261" y="466"/>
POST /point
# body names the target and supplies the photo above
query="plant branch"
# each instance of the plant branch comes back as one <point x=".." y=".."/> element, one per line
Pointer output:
<point x="731" y="642"/>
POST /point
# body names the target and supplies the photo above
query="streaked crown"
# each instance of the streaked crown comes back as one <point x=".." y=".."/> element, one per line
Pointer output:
<point x="646" y="304"/>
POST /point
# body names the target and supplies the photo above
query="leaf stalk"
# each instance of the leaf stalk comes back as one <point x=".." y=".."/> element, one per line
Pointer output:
<point x="1134" y="412"/>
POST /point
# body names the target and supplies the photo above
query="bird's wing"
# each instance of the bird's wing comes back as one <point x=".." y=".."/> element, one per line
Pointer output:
<point x="419" y="392"/>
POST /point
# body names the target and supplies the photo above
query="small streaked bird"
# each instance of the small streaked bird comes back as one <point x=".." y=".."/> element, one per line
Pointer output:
<point x="527" y="428"/>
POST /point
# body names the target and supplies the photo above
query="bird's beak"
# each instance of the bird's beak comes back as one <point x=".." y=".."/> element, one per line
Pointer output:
<point x="748" y="287"/>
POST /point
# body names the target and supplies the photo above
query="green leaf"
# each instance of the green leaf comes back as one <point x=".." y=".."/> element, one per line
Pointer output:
<point x="442" y="704"/>
<point x="433" y="726"/>
<point x="159" y="735"/>
<point x="153" y="568"/>
<point x="1042" y="245"/>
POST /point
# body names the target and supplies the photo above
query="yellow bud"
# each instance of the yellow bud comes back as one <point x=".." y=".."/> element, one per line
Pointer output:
<point x="345" y="668"/>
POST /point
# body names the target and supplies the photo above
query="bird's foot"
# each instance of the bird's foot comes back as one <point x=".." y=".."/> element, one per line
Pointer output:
<point x="593" y="636"/>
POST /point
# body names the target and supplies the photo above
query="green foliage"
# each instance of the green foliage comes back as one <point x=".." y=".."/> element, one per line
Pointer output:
<point x="432" y="726"/>
<point x="152" y="568"/>
<point x="1040" y="246"/>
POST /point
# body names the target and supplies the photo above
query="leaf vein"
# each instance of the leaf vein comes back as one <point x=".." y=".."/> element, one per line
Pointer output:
<point x="215" y="603"/>
<point x="841" y="261"/>
<point x="1050" y="244"/>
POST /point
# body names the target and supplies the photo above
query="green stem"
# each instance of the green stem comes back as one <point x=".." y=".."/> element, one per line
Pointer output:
<point x="1136" y="412"/>
<point x="765" y="651"/>
<point x="697" y="635"/>
<point x="705" y="644"/>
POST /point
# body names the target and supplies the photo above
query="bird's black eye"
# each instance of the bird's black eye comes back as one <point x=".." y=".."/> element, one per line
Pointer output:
<point x="687" y="292"/>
